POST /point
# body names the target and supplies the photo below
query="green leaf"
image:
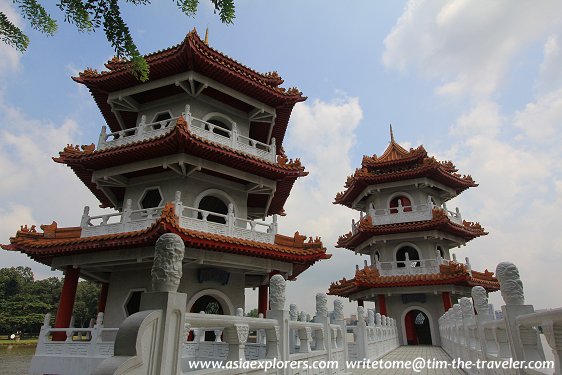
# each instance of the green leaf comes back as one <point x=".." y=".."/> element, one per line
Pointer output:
<point x="12" y="35"/>
<point x="37" y="15"/>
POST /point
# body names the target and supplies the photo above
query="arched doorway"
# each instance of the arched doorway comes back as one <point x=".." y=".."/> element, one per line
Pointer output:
<point x="400" y="200"/>
<point x="418" y="329"/>
<point x="209" y="305"/>
<point x="412" y="256"/>
<point x="213" y="204"/>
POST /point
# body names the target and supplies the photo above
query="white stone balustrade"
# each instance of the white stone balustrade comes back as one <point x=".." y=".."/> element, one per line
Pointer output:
<point x="139" y="133"/>
<point x="413" y="267"/>
<point x="406" y="214"/>
<point x="374" y="337"/>
<point x="233" y="338"/>
<point x="227" y="137"/>
<point x="514" y="337"/>
<point x="189" y="218"/>
<point x="87" y="347"/>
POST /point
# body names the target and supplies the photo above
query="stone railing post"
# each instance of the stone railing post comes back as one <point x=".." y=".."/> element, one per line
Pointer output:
<point x="234" y="136"/>
<point x="277" y="311"/>
<point x="141" y="128"/>
<point x="273" y="150"/>
<point x="236" y="337"/>
<point x="187" y="115"/>
<point x="126" y="215"/>
<point x="102" y="138"/>
<point x="44" y="334"/>
<point x="467" y="311"/>
<point x="322" y="317"/>
<point x="524" y="341"/>
<point x="178" y="204"/>
<point x="480" y="299"/>
<point x="361" y="334"/>
<point x="151" y="341"/>
<point x="339" y="320"/>
<point x="85" y="221"/>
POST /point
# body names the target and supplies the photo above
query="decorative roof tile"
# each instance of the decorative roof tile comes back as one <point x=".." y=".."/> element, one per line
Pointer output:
<point x="56" y="241"/>
<point x="450" y="274"/>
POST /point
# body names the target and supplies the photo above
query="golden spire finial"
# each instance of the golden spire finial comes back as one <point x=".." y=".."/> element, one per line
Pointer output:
<point x="391" y="134"/>
<point x="207" y="36"/>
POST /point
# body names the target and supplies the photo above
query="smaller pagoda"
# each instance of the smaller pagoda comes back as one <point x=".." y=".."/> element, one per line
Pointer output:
<point x="407" y="230"/>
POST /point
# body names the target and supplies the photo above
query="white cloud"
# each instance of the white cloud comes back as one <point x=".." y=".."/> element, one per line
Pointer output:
<point x="34" y="189"/>
<point x="541" y="120"/>
<point x="550" y="74"/>
<point x="518" y="197"/>
<point x="323" y="135"/>
<point x="466" y="45"/>
<point x="467" y="48"/>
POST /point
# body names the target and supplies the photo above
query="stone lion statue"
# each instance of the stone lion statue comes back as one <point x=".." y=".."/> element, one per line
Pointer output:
<point x="480" y="298"/>
<point x="167" y="267"/>
<point x="511" y="286"/>
<point x="321" y="305"/>
<point x="338" y="310"/>
<point x="277" y="292"/>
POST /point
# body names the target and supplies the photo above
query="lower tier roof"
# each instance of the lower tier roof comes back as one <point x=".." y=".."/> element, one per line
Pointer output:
<point x="55" y="242"/>
<point x="452" y="273"/>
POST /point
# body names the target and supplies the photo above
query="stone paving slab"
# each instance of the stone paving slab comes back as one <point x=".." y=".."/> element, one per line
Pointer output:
<point x="405" y="353"/>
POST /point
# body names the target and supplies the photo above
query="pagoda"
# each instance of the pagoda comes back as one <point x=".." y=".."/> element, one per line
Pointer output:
<point x="197" y="151"/>
<point x="408" y="232"/>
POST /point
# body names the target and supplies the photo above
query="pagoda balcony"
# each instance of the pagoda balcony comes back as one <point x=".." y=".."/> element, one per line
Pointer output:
<point x="406" y="214"/>
<point x="226" y="137"/>
<point x="189" y="218"/>
<point x="415" y="266"/>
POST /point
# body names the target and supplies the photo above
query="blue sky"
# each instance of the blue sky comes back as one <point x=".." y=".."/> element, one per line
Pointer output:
<point x="476" y="82"/>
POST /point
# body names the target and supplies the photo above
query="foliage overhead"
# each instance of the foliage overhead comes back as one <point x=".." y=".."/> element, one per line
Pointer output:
<point x="94" y="14"/>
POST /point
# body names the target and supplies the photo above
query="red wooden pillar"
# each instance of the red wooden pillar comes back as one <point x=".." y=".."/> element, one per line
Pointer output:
<point x="360" y="302"/>
<point x="102" y="299"/>
<point x="66" y="302"/>
<point x="382" y="304"/>
<point x="262" y="299"/>
<point x="446" y="301"/>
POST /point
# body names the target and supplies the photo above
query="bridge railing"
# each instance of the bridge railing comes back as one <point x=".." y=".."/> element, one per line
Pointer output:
<point x="515" y="337"/>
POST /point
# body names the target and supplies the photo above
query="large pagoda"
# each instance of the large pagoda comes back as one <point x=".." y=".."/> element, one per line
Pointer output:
<point x="196" y="151"/>
<point x="408" y="232"/>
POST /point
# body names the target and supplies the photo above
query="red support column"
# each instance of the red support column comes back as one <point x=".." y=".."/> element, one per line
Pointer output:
<point x="66" y="302"/>
<point x="382" y="304"/>
<point x="262" y="299"/>
<point x="447" y="301"/>
<point x="360" y="302"/>
<point x="102" y="299"/>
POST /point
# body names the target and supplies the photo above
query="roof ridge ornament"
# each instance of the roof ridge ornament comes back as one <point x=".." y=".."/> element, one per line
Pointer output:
<point x="391" y="135"/>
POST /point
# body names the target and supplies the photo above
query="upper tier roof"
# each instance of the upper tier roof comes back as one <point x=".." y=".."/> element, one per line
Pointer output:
<point x="398" y="164"/>
<point x="54" y="241"/>
<point x="85" y="160"/>
<point x="449" y="274"/>
<point x="439" y="221"/>
<point x="193" y="54"/>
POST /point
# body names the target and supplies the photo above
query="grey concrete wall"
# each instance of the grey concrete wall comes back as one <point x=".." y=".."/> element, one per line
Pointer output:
<point x="122" y="283"/>
<point x="191" y="188"/>
<point x="200" y="107"/>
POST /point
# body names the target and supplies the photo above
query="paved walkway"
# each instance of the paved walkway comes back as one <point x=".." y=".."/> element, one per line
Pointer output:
<point x="432" y="354"/>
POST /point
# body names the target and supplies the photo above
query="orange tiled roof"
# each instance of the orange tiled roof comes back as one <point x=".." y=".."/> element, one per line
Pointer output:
<point x="56" y="241"/>
<point x="396" y="164"/>
<point x="85" y="160"/>
<point x="194" y="55"/>
<point x="450" y="274"/>
<point x="440" y="221"/>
